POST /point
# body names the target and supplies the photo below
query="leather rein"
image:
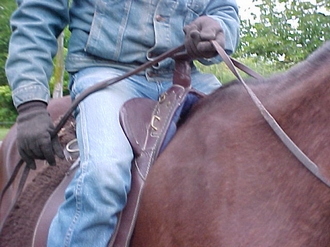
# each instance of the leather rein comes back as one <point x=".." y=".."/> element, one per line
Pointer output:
<point x="231" y="64"/>
<point x="295" y="150"/>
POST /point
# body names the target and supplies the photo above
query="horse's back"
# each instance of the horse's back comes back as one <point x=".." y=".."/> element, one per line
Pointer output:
<point x="221" y="187"/>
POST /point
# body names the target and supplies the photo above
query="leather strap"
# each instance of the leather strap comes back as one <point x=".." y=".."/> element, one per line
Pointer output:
<point x="296" y="151"/>
<point x="20" y="187"/>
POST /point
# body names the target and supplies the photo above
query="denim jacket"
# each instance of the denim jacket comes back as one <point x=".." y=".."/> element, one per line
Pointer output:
<point x="117" y="33"/>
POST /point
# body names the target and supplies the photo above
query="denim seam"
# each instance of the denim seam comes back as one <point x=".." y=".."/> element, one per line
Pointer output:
<point x="77" y="214"/>
<point x="78" y="191"/>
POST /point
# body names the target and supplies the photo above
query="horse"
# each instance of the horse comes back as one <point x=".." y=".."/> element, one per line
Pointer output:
<point x="226" y="179"/>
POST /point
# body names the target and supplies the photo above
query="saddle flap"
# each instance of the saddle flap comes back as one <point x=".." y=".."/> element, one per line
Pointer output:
<point x="135" y="117"/>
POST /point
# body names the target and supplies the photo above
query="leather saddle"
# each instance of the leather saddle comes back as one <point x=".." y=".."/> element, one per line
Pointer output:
<point x="149" y="126"/>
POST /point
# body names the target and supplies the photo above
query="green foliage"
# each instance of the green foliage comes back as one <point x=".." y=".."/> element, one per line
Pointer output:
<point x="65" y="83"/>
<point x="286" y="32"/>
<point x="6" y="8"/>
<point x="224" y="74"/>
<point x="60" y="76"/>
<point x="7" y="110"/>
<point x="3" y="133"/>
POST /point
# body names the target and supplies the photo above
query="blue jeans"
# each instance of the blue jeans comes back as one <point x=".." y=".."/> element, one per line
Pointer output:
<point x="99" y="189"/>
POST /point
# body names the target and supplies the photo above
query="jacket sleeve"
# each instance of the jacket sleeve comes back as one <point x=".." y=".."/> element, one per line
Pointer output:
<point x="35" y="25"/>
<point x="226" y="13"/>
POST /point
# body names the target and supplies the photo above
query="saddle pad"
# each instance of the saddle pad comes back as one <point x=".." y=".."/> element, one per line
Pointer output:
<point x="50" y="209"/>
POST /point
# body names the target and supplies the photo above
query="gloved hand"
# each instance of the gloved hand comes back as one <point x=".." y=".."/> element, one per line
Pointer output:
<point x="198" y="35"/>
<point x="34" y="128"/>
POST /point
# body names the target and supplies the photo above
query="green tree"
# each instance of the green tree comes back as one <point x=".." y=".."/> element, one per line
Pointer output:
<point x="285" y="32"/>
<point x="6" y="9"/>
<point x="7" y="110"/>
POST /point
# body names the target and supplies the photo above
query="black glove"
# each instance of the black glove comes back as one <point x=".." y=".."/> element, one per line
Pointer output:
<point x="199" y="33"/>
<point x="34" y="128"/>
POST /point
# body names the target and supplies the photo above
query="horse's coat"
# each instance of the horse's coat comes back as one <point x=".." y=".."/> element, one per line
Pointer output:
<point x="226" y="180"/>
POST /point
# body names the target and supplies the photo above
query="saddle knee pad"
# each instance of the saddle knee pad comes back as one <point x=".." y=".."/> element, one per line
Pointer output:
<point x="149" y="125"/>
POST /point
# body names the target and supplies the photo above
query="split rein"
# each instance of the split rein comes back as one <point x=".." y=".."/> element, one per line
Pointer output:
<point x="231" y="64"/>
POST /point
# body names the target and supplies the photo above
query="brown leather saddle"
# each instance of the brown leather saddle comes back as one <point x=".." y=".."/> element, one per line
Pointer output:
<point x="149" y="126"/>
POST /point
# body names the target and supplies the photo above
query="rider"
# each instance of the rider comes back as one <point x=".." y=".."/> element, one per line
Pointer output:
<point x="108" y="38"/>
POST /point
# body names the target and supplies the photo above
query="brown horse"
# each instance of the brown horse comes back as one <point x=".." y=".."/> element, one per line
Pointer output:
<point x="226" y="179"/>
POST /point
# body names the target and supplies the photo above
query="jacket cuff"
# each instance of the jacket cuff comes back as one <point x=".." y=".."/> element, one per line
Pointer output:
<point x="30" y="92"/>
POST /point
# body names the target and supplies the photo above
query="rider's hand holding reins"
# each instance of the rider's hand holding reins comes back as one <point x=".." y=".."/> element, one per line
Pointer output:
<point x="34" y="129"/>
<point x="198" y="35"/>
